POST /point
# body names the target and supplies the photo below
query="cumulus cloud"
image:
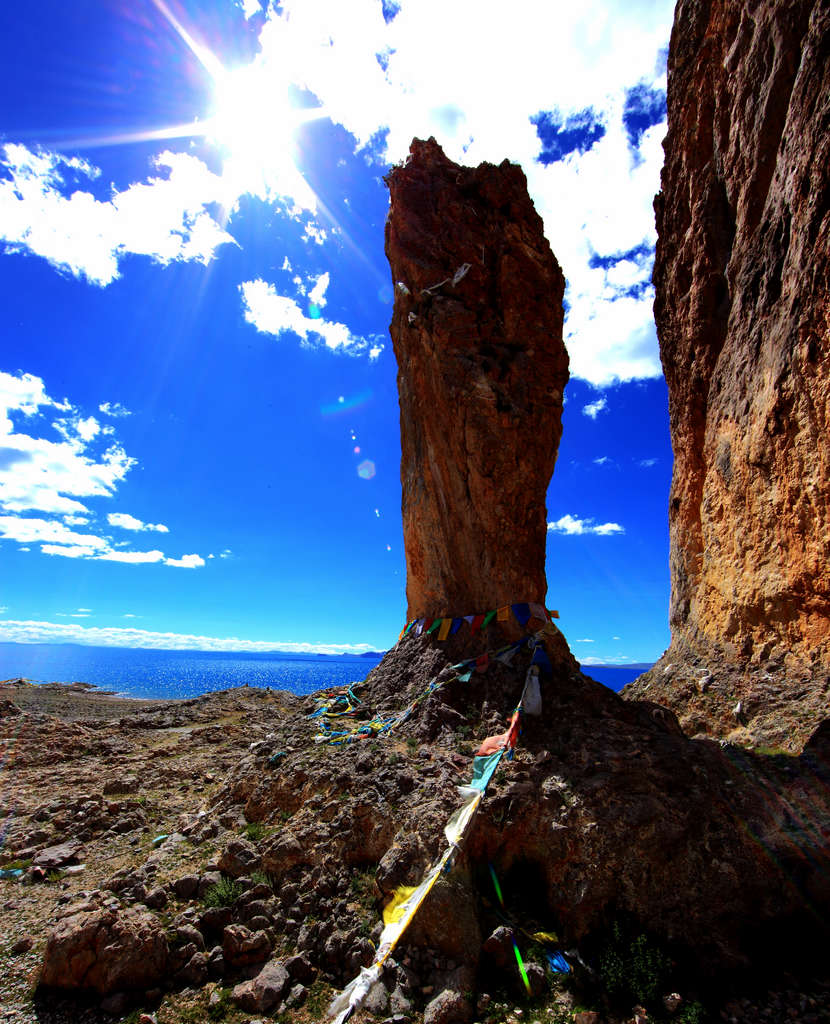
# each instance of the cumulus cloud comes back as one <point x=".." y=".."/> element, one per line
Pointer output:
<point x="579" y="102"/>
<point x="186" y="561"/>
<point x="165" y="217"/>
<point x="128" y="522"/>
<point x="43" y="475"/>
<point x="272" y="313"/>
<point x="41" y="478"/>
<point x="573" y="526"/>
<point x="22" y="631"/>
<point x="593" y="409"/>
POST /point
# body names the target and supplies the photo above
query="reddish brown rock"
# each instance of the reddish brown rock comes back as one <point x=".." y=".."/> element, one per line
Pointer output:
<point x="106" y="950"/>
<point x="742" y="311"/>
<point x="477" y="332"/>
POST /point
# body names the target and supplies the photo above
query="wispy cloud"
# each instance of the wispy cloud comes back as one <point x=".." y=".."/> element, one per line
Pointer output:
<point x="128" y="522"/>
<point x="272" y="313"/>
<point x="122" y="636"/>
<point x="114" y="409"/>
<point x="573" y="526"/>
<point x="593" y="409"/>
<point x="647" y="463"/>
<point x="602" y="460"/>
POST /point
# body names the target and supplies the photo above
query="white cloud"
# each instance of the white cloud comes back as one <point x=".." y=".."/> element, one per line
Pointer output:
<point x="276" y="314"/>
<point x="20" y="631"/>
<point x="601" y="460"/>
<point x="572" y="526"/>
<point x="164" y="218"/>
<point x="114" y="409"/>
<point x="370" y="76"/>
<point x="128" y="522"/>
<point x="318" y="292"/>
<point x="593" y="409"/>
<point x="584" y="640"/>
<point x="38" y="475"/>
<point x="378" y="80"/>
<point x="186" y="561"/>
<point x="647" y="463"/>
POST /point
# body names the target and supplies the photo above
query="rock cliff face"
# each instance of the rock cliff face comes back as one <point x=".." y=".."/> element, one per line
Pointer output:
<point x="741" y="278"/>
<point x="477" y="332"/>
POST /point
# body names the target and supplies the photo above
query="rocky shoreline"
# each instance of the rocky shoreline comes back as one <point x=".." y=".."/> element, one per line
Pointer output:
<point x="235" y="870"/>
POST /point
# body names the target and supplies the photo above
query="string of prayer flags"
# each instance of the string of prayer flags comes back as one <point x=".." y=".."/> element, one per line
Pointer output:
<point x="523" y="612"/>
<point x="406" y="901"/>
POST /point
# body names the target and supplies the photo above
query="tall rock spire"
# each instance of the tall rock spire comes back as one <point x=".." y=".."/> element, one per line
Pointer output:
<point x="477" y="332"/>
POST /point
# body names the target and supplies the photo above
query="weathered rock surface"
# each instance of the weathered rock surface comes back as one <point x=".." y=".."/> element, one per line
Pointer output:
<point x="742" y="280"/>
<point x="106" y="950"/>
<point x="264" y="992"/>
<point x="477" y="332"/>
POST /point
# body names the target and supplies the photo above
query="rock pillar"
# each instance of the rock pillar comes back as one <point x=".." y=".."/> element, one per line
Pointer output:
<point x="477" y="332"/>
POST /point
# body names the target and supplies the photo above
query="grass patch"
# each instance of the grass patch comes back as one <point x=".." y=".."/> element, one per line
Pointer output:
<point x="255" y="831"/>
<point x="633" y="968"/>
<point x="22" y="863"/>
<point x="224" y="894"/>
<point x="362" y="886"/>
<point x="220" y="1009"/>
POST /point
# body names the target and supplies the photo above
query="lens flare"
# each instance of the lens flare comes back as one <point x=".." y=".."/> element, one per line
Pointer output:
<point x="366" y="470"/>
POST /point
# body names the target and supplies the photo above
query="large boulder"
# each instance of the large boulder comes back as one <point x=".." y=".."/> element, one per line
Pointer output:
<point x="107" y="950"/>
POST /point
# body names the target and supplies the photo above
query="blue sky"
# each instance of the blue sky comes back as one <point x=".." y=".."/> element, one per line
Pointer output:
<point x="199" y="440"/>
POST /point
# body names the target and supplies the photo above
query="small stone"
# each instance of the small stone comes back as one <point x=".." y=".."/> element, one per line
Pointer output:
<point x="672" y="1002"/>
<point x="23" y="945"/>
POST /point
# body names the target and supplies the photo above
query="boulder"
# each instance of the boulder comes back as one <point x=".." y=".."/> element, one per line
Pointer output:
<point x="106" y="950"/>
<point x="241" y="946"/>
<point x="283" y="852"/>
<point x="448" y="1007"/>
<point x="54" y="857"/>
<point x="264" y="992"/>
<point x="239" y="858"/>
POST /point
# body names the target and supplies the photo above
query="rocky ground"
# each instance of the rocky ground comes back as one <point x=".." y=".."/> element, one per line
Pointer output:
<point x="206" y="860"/>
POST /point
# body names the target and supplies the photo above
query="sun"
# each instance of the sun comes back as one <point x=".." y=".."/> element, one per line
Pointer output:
<point x="253" y="122"/>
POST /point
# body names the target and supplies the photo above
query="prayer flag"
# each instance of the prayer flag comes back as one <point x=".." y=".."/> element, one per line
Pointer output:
<point x="483" y="768"/>
<point x="522" y="613"/>
<point x="478" y="621"/>
<point x="488" y="618"/>
<point x="538" y="612"/>
<point x="504" y="613"/>
<point x="444" y="631"/>
<point x="433" y="626"/>
<point x="456" y="625"/>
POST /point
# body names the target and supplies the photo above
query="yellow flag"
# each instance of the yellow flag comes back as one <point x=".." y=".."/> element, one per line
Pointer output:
<point x="444" y="631"/>
<point x="395" y="908"/>
<point x="503" y="613"/>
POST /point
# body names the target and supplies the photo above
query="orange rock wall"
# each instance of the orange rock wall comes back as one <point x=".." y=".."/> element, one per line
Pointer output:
<point x="743" y="319"/>
<point x="477" y="332"/>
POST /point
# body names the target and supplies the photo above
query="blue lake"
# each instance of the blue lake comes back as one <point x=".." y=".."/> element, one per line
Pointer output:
<point x="140" y="672"/>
